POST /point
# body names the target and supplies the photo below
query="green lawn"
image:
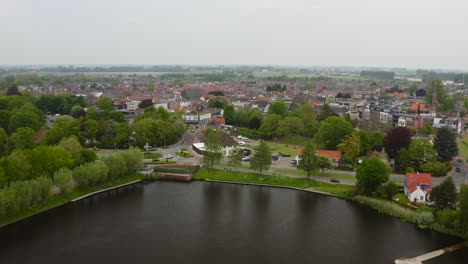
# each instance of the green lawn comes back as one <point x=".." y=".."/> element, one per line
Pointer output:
<point x="463" y="146"/>
<point x="294" y="140"/>
<point x="302" y="183"/>
<point x="284" y="148"/>
<point x="402" y="199"/>
<point x="65" y="198"/>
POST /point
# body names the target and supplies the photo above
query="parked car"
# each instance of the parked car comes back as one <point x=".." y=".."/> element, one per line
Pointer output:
<point x="458" y="170"/>
<point x="247" y="152"/>
<point x="169" y="156"/>
<point x="245" y="139"/>
<point x="335" y="180"/>
<point x="246" y="158"/>
<point x="241" y="143"/>
<point x="459" y="160"/>
<point x="284" y="154"/>
<point x="239" y="136"/>
<point x="274" y="157"/>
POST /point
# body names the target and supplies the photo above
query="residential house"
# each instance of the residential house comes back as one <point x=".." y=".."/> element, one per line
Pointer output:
<point x="418" y="186"/>
<point x="334" y="156"/>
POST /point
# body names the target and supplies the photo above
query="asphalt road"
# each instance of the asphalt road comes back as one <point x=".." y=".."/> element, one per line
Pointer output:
<point x="285" y="163"/>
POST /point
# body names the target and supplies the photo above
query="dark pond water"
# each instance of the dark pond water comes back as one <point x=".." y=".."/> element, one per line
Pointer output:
<point x="166" y="222"/>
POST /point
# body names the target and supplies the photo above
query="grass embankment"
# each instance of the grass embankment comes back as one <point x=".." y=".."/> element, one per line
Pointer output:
<point x="326" y="174"/>
<point x="65" y="198"/>
<point x="246" y="177"/>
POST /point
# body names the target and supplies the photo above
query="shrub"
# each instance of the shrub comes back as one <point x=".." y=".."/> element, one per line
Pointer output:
<point x="82" y="174"/>
<point x="8" y="205"/>
<point x="133" y="158"/>
<point x="63" y="179"/>
<point x="424" y="217"/>
<point x="449" y="219"/>
<point x="436" y="168"/>
<point x="117" y="166"/>
<point x="36" y="194"/>
<point x="46" y="184"/>
<point x="23" y="193"/>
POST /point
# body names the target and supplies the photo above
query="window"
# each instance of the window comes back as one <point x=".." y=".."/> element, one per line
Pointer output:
<point x="421" y="198"/>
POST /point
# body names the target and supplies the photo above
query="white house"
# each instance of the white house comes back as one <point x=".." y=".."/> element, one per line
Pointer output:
<point x="418" y="186"/>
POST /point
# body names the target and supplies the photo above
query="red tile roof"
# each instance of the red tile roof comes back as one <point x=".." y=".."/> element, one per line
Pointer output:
<point x="413" y="180"/>
<point x="414" y="107"/>
<point x="332" y="154"/>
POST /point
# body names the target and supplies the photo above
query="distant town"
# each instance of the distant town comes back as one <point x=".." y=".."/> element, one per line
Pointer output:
<point x="365" y="134"/>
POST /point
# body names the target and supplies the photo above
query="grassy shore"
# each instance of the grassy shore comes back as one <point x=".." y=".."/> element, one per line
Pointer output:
<point x="326" y="174"/>
<point x="301" y="183"/>
<point x="65" y="198"/>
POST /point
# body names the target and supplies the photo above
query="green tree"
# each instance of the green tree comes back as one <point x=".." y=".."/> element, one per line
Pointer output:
<point x="445" y="144"/>
<point x="290" y="125"/>
<point x="5" y="116"/>
<point x="269" y="127"/>
<point x="64" y="126"/>
<point x="77" y="111"/>
<point x="332" y="130"/>
<point x="309" y="160"/>
<point x="421" y="151"/>
<point x="17" y="166"/>
<point x="402" y="161"/>
<point x="122" y="136"/>
<point x="3" y="142"/>
<point x="350" y="146"/>
<point x="105" y="103"/>
<point x="213" y="147"/>
<point x="25" y="118"/>
<point x="463" y="206"/>
<point x="73" y="146"/>
<point x="443" y="100"/>
<point x="278" y="108"/>
<point x="47" y="160"/>
<point x="261" y="160"/>
<point x="23" y="138"/>
<point x="437" y="169"/>
<point x="324" y="163"/>
<point x="371" y="174"/>
<point x="445" y="194"/>
<point x="388" y="190"/>
<point x="217" y="102"/>
<point x="229" y="114"/>
<point x="235" y="159"/>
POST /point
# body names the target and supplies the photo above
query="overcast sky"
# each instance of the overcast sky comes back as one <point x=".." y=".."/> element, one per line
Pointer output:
<point x="389" y="33"/>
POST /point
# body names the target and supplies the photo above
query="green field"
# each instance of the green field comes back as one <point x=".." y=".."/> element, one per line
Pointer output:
<point x="301" y="183"/>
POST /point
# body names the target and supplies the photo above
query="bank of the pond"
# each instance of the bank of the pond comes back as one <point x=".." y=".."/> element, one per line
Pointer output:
<point x="304" y="184"/>
<point x="66" y="197"/>
<point x="406" y="214"/>
<point x="340" y="190"/>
